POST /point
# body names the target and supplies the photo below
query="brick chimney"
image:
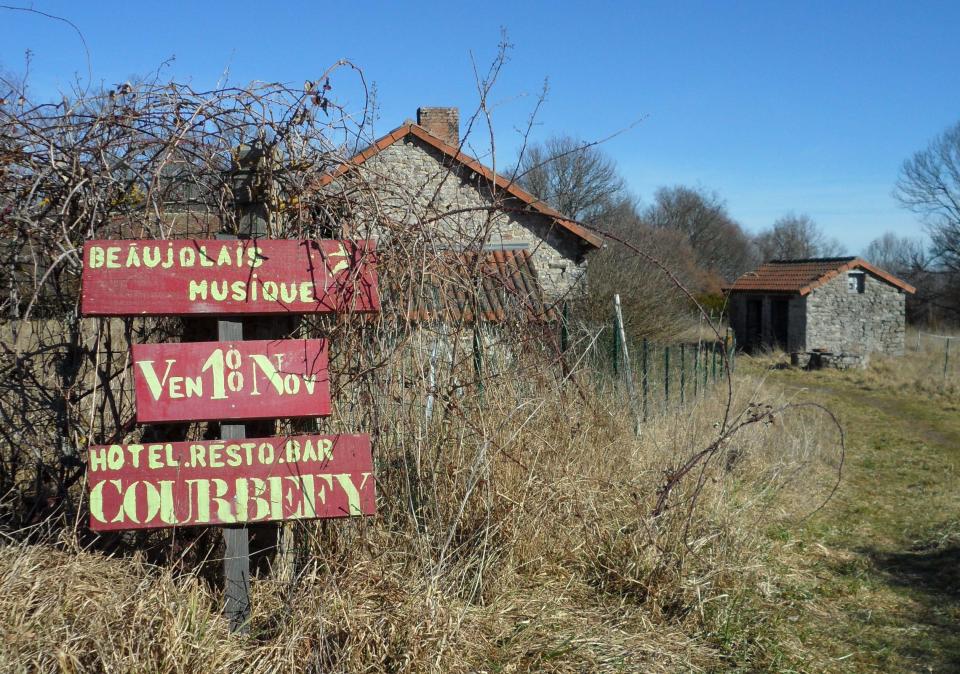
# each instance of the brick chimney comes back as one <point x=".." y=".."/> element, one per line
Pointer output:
<point x="444" y="123"/>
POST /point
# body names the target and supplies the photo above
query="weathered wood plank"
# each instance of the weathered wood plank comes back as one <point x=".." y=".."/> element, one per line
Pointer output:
<point x="262" y="276"/>
<point x="231" y="380"/>
<point x="230" y="481"/>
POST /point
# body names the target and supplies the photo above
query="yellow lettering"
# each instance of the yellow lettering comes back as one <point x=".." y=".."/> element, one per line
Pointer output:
<point x="187" y="256"/>
<point x="269" y="370"/>
<point x="269" y="291"/>
<point x="288" y="297"/>
<point x="326" y="449"/>
<point x="153" y="457"/>
<point x="133" y="257"/>
<point x="98" y="459"/>
<point x="135" y="454"/>
<point x="198" y="456"/>
<point x="216" y="461"/>
<point x="194" y="386"/>
<point x="96" y="502"/>
<point x="197" y="289"/>
<point x="204" y="260"/>
<point x="293" y="451"/>
<point x="306" y="292"/>
<point x="345" y="480"/>
<point x="96" y="257"/>
<point x="238" y="291"/>
<point x="265" y="453"/>
<point x="151" y="256"/>
<point x="113" y="257"/>
<point x="153" y="382"/>
<point x="223" y="259"/>
<point x="218" y="290"/>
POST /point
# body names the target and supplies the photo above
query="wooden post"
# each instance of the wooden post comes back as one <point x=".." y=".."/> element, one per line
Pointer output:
<point x="628" y="371"/>
<point x="706" y="369"/>
<point x="946" y="361"/>
<point x="646" y="385"/>
<point x="236" y="556"/>
<point x="252" y="223"/>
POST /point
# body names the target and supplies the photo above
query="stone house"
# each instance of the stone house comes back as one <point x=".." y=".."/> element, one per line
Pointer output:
<point x="841" y="306"/>
<point x="423" y="180"/>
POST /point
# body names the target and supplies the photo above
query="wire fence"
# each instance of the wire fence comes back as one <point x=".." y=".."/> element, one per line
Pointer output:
<point x="938" y="355"/>
<point x="657" y="377"/>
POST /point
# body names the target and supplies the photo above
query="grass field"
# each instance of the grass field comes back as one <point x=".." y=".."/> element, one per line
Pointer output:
<point x="559" y="567"/>
<point x="878" y="569"/>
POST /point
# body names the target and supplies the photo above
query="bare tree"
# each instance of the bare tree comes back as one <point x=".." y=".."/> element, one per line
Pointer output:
<point x="574" y="177"/>
<point x="796" y="236"/>
<point x="929" y="184"/>
<point x="653" y="306"/>
<point x="901" y="255"/>
<point x="719" y="243"/>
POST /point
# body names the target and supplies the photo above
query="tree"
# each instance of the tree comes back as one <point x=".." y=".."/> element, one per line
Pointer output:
<point x="929" y="184"/>
<point x="795" y="237"/>
<point x="576" y="178"/>
<point x="717" y="240"/>
<point x="900" y="255"/>
<point x="653" y="306"/>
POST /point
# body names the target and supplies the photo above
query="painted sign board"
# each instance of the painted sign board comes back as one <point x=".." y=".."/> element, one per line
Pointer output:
<point x="253" y="276"/>
<point x="216" y="482"/>
<point x="230" y="381"/>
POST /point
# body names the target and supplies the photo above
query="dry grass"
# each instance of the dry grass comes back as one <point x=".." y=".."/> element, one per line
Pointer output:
<point x="554" y="563"/>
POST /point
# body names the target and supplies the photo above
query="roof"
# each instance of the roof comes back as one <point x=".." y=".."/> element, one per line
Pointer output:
<point x="803" y="276"/>
<point x="501" y="284"/>
<point x="509" y="186"/>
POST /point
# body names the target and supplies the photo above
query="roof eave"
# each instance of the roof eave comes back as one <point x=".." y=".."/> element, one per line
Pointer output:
<point x="572" y="226"/>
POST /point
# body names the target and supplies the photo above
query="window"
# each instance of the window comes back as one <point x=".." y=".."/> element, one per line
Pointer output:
<point x="855" y="282"/>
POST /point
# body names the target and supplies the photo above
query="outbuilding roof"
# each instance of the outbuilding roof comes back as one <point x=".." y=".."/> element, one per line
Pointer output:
<point x="509" y="186"/>
<point x="803" y="276"/>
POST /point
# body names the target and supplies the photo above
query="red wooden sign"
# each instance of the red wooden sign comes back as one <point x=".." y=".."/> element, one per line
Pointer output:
<point x="230" y="381"/>
<point x="184" y="277"/>
<point x="229" y="481"/>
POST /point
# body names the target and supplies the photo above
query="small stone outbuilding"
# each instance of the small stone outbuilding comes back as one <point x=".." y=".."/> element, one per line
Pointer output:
<point x="841" y="306"/>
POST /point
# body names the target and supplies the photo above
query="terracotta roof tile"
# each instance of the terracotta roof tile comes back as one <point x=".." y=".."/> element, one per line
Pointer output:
<point x="502" y="285"/>
<point x="802" y="276"/>
<point x="500" y="181"/>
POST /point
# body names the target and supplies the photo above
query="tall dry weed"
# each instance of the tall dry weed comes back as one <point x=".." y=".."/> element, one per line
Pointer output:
<point x="535" y="551"/>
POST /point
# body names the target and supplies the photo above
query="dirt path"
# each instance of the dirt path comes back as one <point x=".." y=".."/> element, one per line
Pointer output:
<point x="884" y="556"/>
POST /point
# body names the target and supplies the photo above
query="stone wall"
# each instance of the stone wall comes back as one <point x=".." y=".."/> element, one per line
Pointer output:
<point x="415" y="183"/>
<point x="856" y="324"/>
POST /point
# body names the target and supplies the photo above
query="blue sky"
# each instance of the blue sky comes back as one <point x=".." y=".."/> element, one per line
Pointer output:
<point x="807" y="107"/>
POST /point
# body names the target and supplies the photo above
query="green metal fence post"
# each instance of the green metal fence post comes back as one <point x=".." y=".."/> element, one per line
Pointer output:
<point x="666" y="376"/>
<point x="683" y="372"/>
<point x="696" y="369"/>
<point x="713" y="355"/>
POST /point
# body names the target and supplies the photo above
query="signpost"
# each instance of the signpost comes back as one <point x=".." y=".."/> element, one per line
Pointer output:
<point x="231" y="380"/>
<point x="220" y="482"/>
<point x="218" y="276"/>
<point x="234" y="481"/>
